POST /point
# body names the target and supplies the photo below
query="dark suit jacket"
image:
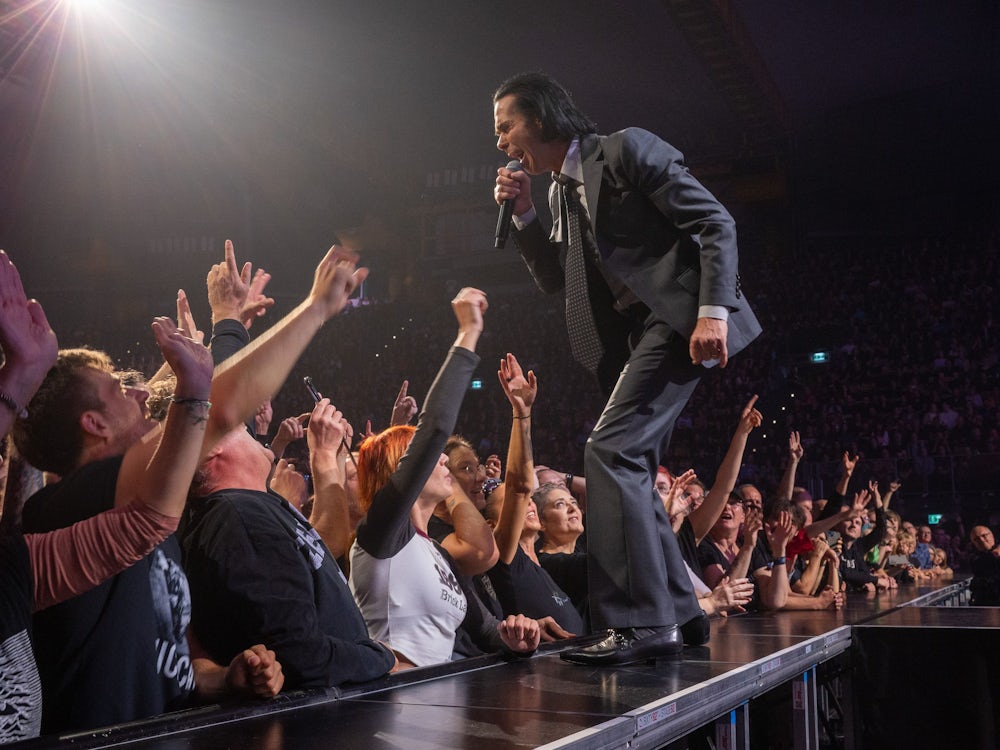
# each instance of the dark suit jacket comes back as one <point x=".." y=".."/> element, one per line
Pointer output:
<point x="657" y="229"/>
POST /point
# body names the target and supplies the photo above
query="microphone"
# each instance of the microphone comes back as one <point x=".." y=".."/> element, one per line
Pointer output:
<point x="506" y="211"/>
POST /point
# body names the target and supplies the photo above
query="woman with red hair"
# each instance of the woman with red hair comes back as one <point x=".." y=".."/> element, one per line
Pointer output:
<point x="410" y="595"/>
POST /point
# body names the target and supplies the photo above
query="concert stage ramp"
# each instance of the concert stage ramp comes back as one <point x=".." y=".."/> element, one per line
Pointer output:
<point x="772" y="679"/>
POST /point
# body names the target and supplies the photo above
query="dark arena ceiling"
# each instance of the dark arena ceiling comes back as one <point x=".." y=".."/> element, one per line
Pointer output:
<point x="130" y="127"/>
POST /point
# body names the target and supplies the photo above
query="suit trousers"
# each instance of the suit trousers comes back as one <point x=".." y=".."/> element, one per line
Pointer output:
<point x="636" y="573"/>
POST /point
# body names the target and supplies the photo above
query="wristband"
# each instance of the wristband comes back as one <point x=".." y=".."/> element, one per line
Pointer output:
<point x="526" y="416"/>
<point x="780" y="560"/>
<point x="194" y="401"/>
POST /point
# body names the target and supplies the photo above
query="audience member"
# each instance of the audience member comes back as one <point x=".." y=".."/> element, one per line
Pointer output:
<point x="520" y="582"/>
<point x="45" y="569"/>
<point x="259" y="572"/>
<point x="560" y="553"/>
<point x="984" y="587"/>
<point x="405" y="585"/>
<point x="83" y="425"/>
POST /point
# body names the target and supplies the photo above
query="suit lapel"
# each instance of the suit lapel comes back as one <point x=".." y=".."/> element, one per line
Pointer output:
<point x="592" y="161"/>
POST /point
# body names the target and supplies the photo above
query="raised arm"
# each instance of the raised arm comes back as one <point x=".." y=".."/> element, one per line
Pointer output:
<point x="28" y="342"/>
<point x="752" y="525"/>
<point x="860" y="502"/>
<point x="521" y="391"/>
<point x="774" y="588"/>
<point x="675" y="502"/>
<point x="325" y="436"/>
<point x="387" y="526"/>
<point x="893" y="489"/>
<point x="877" y="534"/>
<point x="159" y="470"/>
<point x="256" y="372"/>
<point x="820" y="555"/>
<point x="404" y="408"/>
<point x="704" y="517"/>
<point x="150" y="498"/>
<point x="847" y="465"/>
<point x="289" y="430"/>
<point x="795" y="453"/>
<point x="471" y="545"/>
<point x="187" y="326"/>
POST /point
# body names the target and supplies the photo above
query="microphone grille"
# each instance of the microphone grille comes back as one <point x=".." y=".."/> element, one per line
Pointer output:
<point x="514" y="165"/>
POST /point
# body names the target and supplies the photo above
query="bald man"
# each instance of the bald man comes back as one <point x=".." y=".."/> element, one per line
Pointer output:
<point x="985" y="584"/>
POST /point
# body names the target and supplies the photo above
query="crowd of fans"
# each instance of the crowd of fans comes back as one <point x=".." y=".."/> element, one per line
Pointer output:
<point x="328" y="540"/>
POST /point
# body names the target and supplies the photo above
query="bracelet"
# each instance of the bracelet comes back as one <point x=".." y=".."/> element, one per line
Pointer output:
<point x="526" y="416"/>
<point x="780" y="560"/>
<point x="569" y="480"/>
<point x="196" y="401"/>
<point x="21" y="412"/>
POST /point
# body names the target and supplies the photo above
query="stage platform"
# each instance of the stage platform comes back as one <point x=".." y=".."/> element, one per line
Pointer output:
<point x="771" y="659"/>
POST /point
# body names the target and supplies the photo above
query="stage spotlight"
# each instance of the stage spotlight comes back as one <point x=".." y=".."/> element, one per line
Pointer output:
<point x="86" y="6"/>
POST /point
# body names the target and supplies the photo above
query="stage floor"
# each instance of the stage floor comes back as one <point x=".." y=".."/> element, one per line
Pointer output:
<point x="488" y="703"/>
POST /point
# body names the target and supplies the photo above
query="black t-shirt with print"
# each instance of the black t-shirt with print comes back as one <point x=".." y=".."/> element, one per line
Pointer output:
<point x="118" y="652"/>
<point x="20" y="688"/>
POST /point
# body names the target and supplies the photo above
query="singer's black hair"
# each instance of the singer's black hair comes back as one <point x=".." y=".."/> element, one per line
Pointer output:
<point x="539" y="96"/>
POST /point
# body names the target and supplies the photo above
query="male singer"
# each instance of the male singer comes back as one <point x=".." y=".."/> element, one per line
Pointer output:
<point x="648" y="262"/>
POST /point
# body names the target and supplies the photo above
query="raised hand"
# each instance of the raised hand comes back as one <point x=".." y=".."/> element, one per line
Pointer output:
<point x="228" y="287"/>
<point x="262" y="419"/>
<point x="185" y="320"/>
<point x="848" y="462"/>
<point x="520" y="390"/>
<point x="675" y="501"/>
<point x="189" y="359"/>
<point x="327" y="428"/>
<point x="28" y="341"/>
<point x="780" y="531"/>
<point x="795" y="449"/>
<point x="404" y="408"/>
<point x="469" y="305"/>
<point x="873" y="491"/>
<point x="289" y="482"/>
<point x="750" y="418"/>
<point x="861" y="500"/>
<point x="833" y="553"/>
<point x="752" y="525"/>
<point x="493" y="467"/>
<point x="291" y="428"/>
<point x="820" y="546"/>
<point x="336" y="278"/>
<point x="256" y="302"/>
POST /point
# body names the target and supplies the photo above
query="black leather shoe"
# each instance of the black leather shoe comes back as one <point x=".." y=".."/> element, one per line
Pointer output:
<point x="628" y="646"/>
<point x="697" y="630"/>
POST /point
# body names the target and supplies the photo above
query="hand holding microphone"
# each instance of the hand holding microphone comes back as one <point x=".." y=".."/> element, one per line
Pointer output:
<point x="506" y="192"/>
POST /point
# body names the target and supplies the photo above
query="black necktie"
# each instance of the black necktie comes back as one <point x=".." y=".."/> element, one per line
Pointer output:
<point x="583" y="337"/>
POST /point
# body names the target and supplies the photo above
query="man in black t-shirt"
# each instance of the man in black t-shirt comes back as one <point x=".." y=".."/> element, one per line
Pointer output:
<point x="259" y="572"/>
